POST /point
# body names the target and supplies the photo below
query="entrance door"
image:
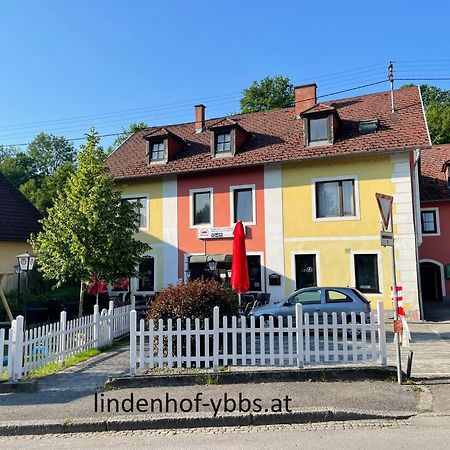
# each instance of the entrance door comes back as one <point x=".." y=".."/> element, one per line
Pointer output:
<point x="430" y="280"/>
<point x="305" y="271"/>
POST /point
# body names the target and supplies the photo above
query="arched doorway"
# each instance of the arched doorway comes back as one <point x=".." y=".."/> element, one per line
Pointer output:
<point x="431" y="281"/>
<point x="433" y="291"/>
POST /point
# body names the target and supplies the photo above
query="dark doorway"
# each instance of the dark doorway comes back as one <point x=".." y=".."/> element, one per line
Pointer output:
<point x="305" y="271"/>
<point x="431" y="282"/>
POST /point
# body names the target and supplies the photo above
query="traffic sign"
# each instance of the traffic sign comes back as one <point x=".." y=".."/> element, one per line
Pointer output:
<point x="387" y="239"/>
<point x="385" y="206"/>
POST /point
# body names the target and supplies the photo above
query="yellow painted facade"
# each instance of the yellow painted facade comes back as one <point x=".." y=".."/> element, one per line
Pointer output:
<point x="8" y="259"/>
<point x="152" y="189"/>
<point x="335" y="241"/>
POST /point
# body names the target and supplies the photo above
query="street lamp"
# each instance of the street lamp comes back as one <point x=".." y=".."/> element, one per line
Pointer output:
<point x="212" y="265"/>
<point x="26" y="263"/>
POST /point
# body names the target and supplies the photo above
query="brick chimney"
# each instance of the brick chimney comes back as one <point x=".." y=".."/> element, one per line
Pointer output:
<point x="305" y="97"/>
<point x="199" y="118"/>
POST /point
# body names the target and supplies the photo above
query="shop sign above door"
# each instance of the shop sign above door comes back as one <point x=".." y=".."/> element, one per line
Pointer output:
<point x="216" y="232"/>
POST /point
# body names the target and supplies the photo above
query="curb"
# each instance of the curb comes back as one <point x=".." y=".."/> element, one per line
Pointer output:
<point x="126" y="423"/>
<point x="9" y="387"/>
<point x="259" y="376"/>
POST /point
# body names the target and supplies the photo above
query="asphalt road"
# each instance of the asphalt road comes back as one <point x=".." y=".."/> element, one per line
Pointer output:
<point x="417" y="433"/>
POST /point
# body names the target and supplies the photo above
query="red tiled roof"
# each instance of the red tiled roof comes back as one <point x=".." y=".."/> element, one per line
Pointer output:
<point x="320" y="107"/>
<point x="278" y="136"/>
<point x="433" y="182"/>
<point x="18" y="218"/>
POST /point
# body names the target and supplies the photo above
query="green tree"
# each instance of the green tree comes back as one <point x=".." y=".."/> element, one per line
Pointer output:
<point x="89" y="230"/>
<point x="269" y="93"/>
<point x="126" y="133"/>
<point x="18" y="168"/>
<point x="42" y="193"/>
<point x="48" y="152"/>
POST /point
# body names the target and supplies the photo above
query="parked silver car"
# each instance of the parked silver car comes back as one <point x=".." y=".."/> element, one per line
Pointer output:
<point x="316" y="299"/>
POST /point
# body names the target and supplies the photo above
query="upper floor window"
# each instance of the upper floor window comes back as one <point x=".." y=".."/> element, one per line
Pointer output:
<point x="430" y="221"/>
<point x="157" y="151"/>
<point x="223" y="142"/>
<point x="335" y="198"/>
<point x="141" y="209"/>
<point x="243" y="204"/>
<point x="202" y="208"/>
<point x="318" y="130"/>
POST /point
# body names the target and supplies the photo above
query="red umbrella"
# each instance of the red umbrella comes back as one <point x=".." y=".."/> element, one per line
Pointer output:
<point x="239" y="271"/>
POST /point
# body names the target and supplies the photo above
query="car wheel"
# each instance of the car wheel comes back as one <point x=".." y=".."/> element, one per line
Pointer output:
<point x="358" y="329"/>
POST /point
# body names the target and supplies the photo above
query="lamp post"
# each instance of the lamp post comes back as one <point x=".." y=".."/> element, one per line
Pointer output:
<point x="17" y="271"/>
<point x="26" y="263"/>
<point x="212" y="265"/>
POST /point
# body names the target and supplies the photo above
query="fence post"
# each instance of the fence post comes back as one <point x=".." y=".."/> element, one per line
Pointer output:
<point x="381" y="332"/>
<point x="96" y="326"/>
<point x="62" y="337"/>
<point x="133" y="337"/>
<point x="216" y="326"/>
<point x="17" y="367"/>
<point x="11" y="347"/>
<point x="133" y="302"/>
<point x="111" y="321"/>
<point x="299" y="336"/>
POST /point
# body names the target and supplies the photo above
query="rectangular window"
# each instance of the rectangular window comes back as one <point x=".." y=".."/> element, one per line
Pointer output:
<point x="335" y="198"/>
<point x="140" y="207"/>
<point x="202" y="208"/>
<point x="243" y="205"/>
<point x="254" y="272"/>
<point x="318" y="130"/>
<point x="146" y="280"/>
<point x="223" y="142"/>
<point x="157" y="152"/>
<point x="429" y="222"/>
<point x="366" y="273"/>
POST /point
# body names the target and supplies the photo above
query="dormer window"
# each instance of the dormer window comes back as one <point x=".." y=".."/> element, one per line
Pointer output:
<point x="227" y="138"/>
<point x="223" y="142"/>
<point x="319" y="130"/>
<point x="157" y="152"/>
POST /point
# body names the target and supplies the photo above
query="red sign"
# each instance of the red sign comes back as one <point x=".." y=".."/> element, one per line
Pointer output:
<point x="385" y="206"/>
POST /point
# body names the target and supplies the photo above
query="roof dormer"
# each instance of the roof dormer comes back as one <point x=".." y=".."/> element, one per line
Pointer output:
<point x="162" y="146"/>
<point x="227" y="138"/>
<point x="321" y="123"/>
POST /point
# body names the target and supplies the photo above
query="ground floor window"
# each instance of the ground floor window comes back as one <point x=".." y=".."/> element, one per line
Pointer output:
<point x="305" y="271"/>
<point x="366" y="273"/>
<point x="254" y="272"/>
<point x="146" y="275"/>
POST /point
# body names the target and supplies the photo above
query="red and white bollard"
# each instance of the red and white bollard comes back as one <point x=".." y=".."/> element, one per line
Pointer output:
<point x="402" y="315"/>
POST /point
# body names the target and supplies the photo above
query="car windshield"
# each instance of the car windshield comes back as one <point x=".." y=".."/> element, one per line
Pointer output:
<point x="306" y="297"/>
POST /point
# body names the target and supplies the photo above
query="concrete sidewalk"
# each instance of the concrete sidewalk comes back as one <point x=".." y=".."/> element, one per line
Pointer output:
<point x="67" y="400"/>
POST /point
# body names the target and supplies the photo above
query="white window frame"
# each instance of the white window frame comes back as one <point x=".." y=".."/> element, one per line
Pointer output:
<point x="293" y="268"/>
<point x="436" y="215"/>
<point x="379" y="267"/>
<point x="314" y="182"/>
<point x="144" y="198"/>
<point x="135" y="280"/>
<point x="191" y="207"/>
<point x="263" y="270"/>
<point x="243" y="186"/>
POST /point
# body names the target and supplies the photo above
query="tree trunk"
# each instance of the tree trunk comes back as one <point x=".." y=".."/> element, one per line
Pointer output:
<point x="80" y="310"/>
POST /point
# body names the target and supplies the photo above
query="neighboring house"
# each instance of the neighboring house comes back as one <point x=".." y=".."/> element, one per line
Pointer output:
<point x="434" y="252"/>
<point x="302" y="180"/>
<point x="18" y="219"/>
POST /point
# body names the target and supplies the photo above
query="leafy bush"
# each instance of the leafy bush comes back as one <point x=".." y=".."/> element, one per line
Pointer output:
<point x="195" y="299"/>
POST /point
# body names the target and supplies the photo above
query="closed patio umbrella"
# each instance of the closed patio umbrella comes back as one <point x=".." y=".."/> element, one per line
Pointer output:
<point x="239" y="271"/>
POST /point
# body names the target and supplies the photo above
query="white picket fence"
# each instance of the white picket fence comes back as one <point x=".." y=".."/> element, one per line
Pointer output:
<point x="23" y="351"/>
<point x="298" y="341"/>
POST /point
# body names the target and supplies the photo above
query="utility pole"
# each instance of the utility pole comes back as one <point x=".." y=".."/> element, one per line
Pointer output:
<point x="391" y="80"/>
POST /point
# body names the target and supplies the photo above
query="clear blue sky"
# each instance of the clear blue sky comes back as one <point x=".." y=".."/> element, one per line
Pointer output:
<point x="62" y="59"/>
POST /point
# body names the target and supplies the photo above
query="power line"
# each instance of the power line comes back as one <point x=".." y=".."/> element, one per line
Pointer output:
<point x="423" y="79"/>
<point x="304" y="100"/>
